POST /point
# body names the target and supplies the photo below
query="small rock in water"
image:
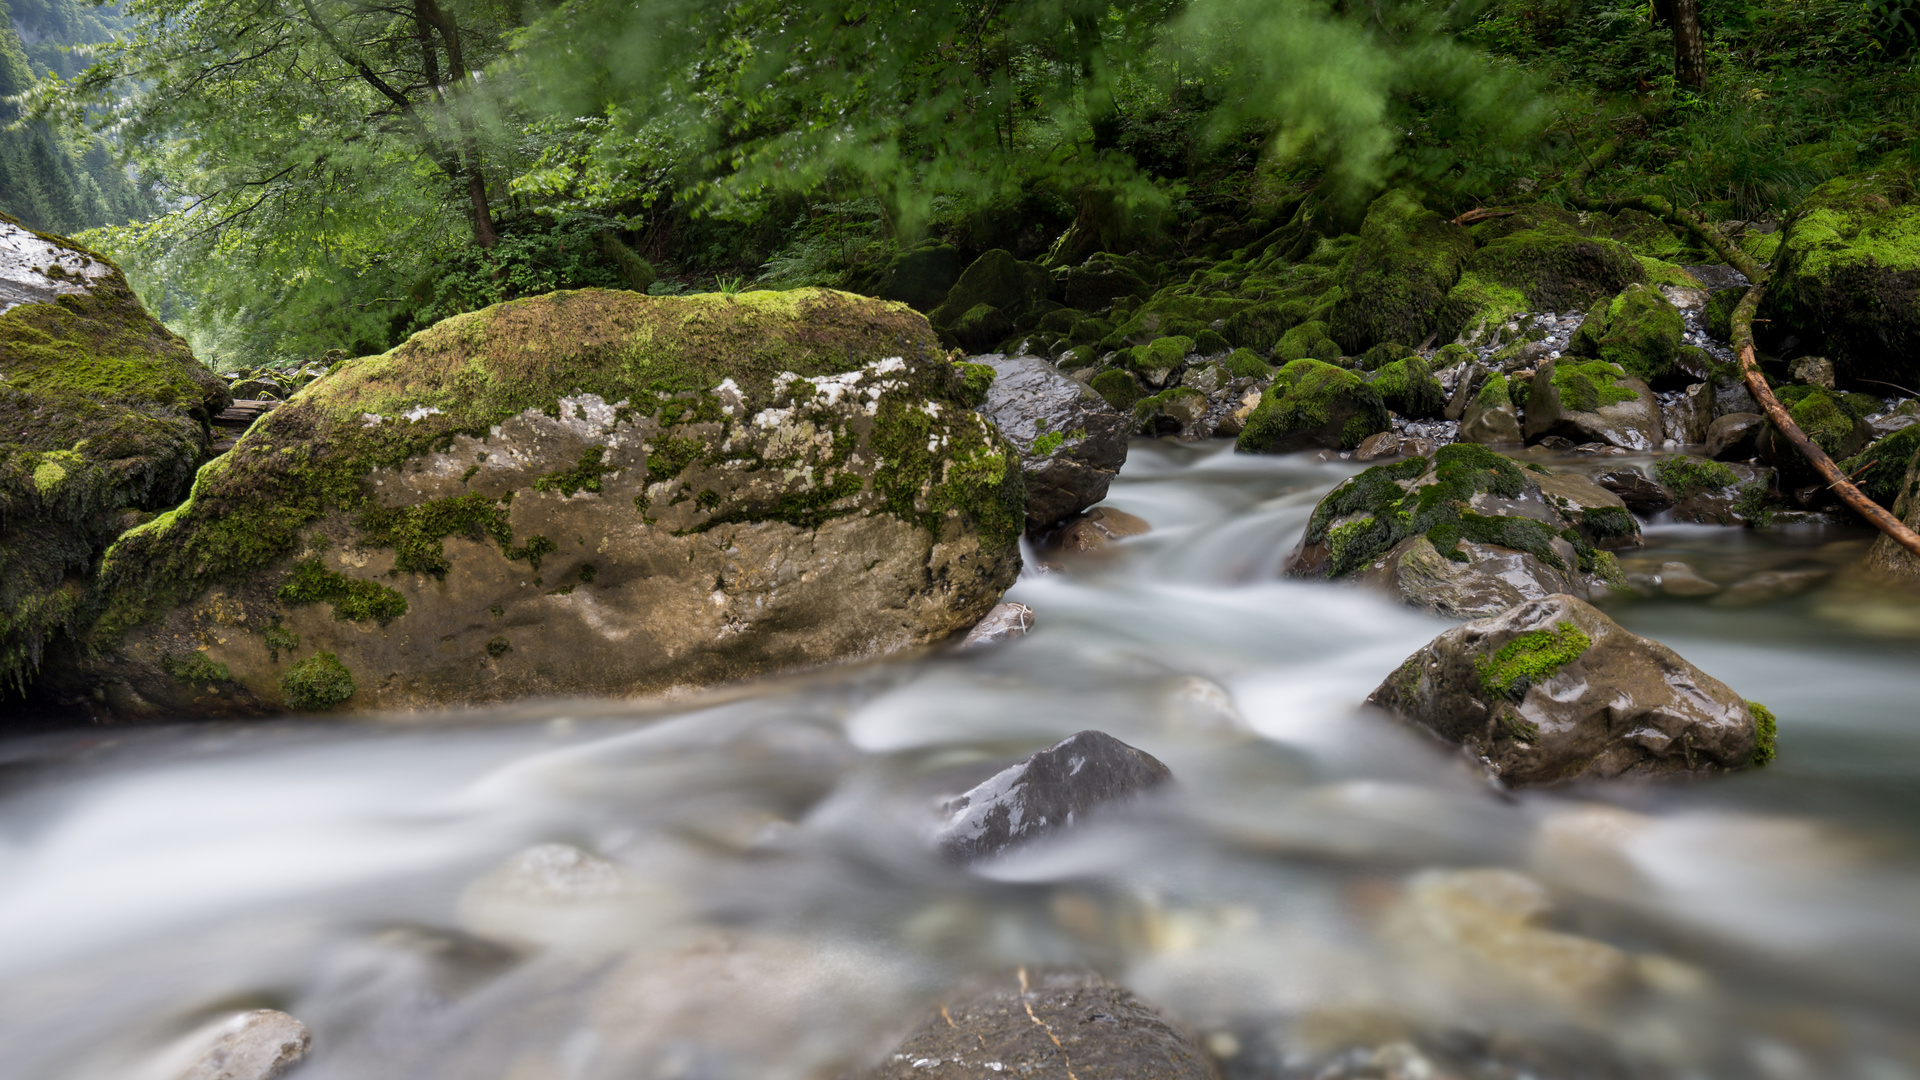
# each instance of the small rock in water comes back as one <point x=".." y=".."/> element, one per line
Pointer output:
<point x="1554" y="691"/>
<point x="258" y="1045"/>
<point x="1735" y="436"/>
<point x="1066" y="1023"/>
<point x="1005" y="622"/>
<point x="1100" y="528"/>
<point x="1679" y="579"/>
<point x="1770" y="585"/>
<point x="1383" y="444"/>
<point x="1054" y="789"/>
<point x="1640" y="494"/>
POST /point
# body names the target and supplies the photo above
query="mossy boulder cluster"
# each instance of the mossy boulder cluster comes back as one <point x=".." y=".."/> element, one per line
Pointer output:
<point x="1638" y="330"/>
<point x="583" y="492"/>
<point x="1467" y="532"/>
<point x="1552" y="691"/>
<point x="1592" y="401"/>
<point x="103" y="418"/>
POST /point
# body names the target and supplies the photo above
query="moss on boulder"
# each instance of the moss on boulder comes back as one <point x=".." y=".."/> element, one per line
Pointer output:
<point x="1306" y="341"/>
<point x="1313" y="405"/>
<point x="1593" y="401"/>
<point x="990" y="299"/>
<point x="1407" y="259"/>
<point x="1119" y="387"/>
<point x="920" y="277"/>
<point x="1846" y="278"/>
<point x="1835" y="422"/>
<point x="1543" y="258"/>
<point x="1638" y="330"/>
<point x="1879" y="470"/>
<point x="1408" y="387"/>
<point x="102" y="413"/>
<point x="653" y="491"/>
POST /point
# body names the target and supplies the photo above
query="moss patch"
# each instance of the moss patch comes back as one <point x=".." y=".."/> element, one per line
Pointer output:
<point x="1120" y="389"/>
<point x="195" y="667"/>
<point x="1590" y="386"/>
<point x="353" y="599"/>
<point x="1529" y="658"/>
<point x="1407" y="259"/>
<point x="584" y="476"/>
<point x="1408" y="387"/>
<point x="1881" y="469"/>
<point x="320" y="681"/>
<point x="1685" y="475"/>
<point x="1314" y="404"/>
<point x="1766" y="731"/>
<point x="975" y="380"/>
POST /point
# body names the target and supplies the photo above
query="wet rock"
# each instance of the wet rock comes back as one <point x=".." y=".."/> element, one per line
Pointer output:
<point x="1812" y="370"/>
<point x="260" y="1045"/>
<point x="1638" y="493"/>
<point x="1491" y="419"/>
<point x="1054" y="790"/>
<point x="1686" y="416"/>
<point x="1467" y="532"/>
<point x="1594" y="401"/>
<point x="1680" y="579"/>
<point x="1640" y="331"/>
<point x="1463" y="388"/>
<point x="1071" y="441"/>
<point x="102" y="410"/>
<point x="614" y="527"/>
<point x="1554" y="691"/>
<point x="1735" y="436"/>
<point x="1835" y="422"/>
<point x="1236" y="416"/>
<point x="1406" y="260"/>
<point x="258" y="389"/>
<point x="1598" y="513"/>
<point x="558" y="896"/>
<point x="1714" y="492"/>
<point x="1005" y="622"/>
<point x="1770" y="585"/>
<point x="1099" y="529"/>
<point x="1052" y="1023"/>
<point x="1313" y="405"/>
<point x="1179" y="411"/>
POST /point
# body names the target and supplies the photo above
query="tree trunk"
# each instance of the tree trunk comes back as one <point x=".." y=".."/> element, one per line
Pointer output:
<point x="1689" y="46"/>
<point x="428" y="13"/>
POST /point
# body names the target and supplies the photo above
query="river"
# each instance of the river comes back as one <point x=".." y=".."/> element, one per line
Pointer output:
<point x="767" y="908"/>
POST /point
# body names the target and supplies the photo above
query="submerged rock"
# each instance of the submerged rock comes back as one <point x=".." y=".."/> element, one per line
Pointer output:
<point x="1071" y="441"/>
<point x="1055" y="789"/>
<point x="1554" y="691"/>
<point x="1057" y="1023"/>
<point x="102" y="414"/>
<point x="1594" y="401"/>
<point x="579" y="493"/>
<point x="1005" y="622"/>
<point x="260" y="1045"/>
<point x="1467" y="532"/>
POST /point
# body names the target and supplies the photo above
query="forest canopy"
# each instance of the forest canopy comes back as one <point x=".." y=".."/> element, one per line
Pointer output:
<point x="334" y="174"/>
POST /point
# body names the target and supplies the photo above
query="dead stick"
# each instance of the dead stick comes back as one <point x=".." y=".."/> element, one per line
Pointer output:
<point x="1757" y="385"/>
<point x="1474" y="216"/>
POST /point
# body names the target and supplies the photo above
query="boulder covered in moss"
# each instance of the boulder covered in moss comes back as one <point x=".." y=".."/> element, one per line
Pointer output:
<point x="920" y="277"/>
<point x="1311" y="405"/>
<point x="1553" y="691"/>
<point x="991" y="298"/>
<point x="1306" y="341"/>
<point x="1491" y="418"/>
<point x="584" y="492"/>
<point x="1592" y="401"/>
<point x="1540" y="259"/>
<point x="1102" y="279"/>
<point x="1464" y="533"/>
<point x="1639" y="330"/>
<point x="1407" y="260"/>
<point x="102" y="421"/>
<point x="1846" y="277"/>
<point x="1707" y="492"/>
<point x="1887" y="558"/>
<point x="1408" y="387"/>
<point x="1070" y="440"/>
<point x="1837" y="423"/>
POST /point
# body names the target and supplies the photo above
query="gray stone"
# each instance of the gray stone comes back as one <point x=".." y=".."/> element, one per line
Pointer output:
<point x="1044" y="1024"/>
<point x="1492" y="579"/>
<point x="1632" y="425"/>
<point x="37" y="269"/>
<point x="1005" y="622"/>
<point x="1054" y="790"/>
<point x="1735" y="436"/>
<point x="1099" y="529"/>
<point x="1491" y="424"/>
<point x="1813" y="370"/>
<point x="1463" y="389"/>
<point x="1770" y="585"/>
<point x="259" y="1045"/>
<point x="1554" y="691"/>
<point x="1637" y="491"/>
<point x="1071" y="442"/>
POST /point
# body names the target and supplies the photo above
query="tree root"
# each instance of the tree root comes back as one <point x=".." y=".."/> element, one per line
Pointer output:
<point x="1742" y="338"/>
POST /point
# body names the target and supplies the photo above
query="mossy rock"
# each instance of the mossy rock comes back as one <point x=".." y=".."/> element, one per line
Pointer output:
<point x="1384" y="353"/>
<point x="1160" y="356"/>
<point x="1638" y="330"/>
<point x="1407" y="259"/>
<point x="102" y="414"/>
<point x="1101" y="280"/>
<point x="1551" y="264"/>
<point x="1173" y="411"/>
<point x="1649" y="237"/>
<point x="1718" y="315"/>
<point x="1259" y="327"/>
<point x="1593" y="401"/>
<point x="1313" y="405"/>
<point x="997" y="281"/>
<point x="1119" y="387"/>
<point x="1408" y="387"/>
<point x="920" y="277"/>
<point x="1246" y="364"/>
<point x="1835" y="422"/>
<point x="1846" y="279"/>
<point x="1211" y="343"/>
<point x="1880" y="471"/>
<point x="640" y="492"/>
<point x="1307" y="341"/>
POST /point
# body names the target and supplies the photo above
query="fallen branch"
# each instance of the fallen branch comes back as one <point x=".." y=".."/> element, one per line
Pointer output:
<point x="1474" y="217"/>
<point x="1838" y="482"/>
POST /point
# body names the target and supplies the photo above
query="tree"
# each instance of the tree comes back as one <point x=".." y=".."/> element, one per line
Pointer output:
<point x="1689" y="43"/>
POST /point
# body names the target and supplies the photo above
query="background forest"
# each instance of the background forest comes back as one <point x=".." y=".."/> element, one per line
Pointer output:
<point x="282" y="178"/>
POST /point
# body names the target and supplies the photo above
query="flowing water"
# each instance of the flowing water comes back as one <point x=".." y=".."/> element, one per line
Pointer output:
<point x="758" y="900"/>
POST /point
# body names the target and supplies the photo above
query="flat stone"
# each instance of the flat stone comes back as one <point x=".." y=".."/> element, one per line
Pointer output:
<point x="1054" y="790"/>
<point x="1099" y="529"/>
<point x="1770" y="585"/>
<point x="1636" y="490"/>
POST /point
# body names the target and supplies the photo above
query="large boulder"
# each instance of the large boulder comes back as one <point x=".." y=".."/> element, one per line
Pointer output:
<point x="1639" y="330"/>
<point x="1554" y="691"/>
<point x="1071" y="441"/>
<point x="1490" y="419"/>
<point x="1407" y="260"/>
<point x="920" y="277"/>
<point x="1465" y="533"/>
<point x="1593" y="401"/>
<point x="1846" y="277"/>
<point x="103" y="417"/>
<point x="1408" y="387"/>
<point x="579" y="493"/>
<point x="1054" y="1023"/>
<point x="1314" y="405"/>
<point x="1540" y="259"/>
<point x="990" y="299"/>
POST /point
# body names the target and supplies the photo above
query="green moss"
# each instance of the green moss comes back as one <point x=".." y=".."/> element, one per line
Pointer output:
<point x="320" y="681"/>
<point x="1306" y="341"/>
<point x="1437" y="510"/>
<point x="195" y="667"/>
<point x="1259" y="327"/>
<point x="1665" y="273"/>
<point x="498" y="647"/>
<point x="669" y="456"/>
<point x="1685" y="475"/>
<point x="279" y="640"/>
<point x="1246" y="364"/>
<point x="1313" y="404"/>
<point x="1827" y="420"/>
<point x="1120" y="389"/>
<point x="1529" y="658"/>
<point x="1163" y="354"/>
<point x="975" y="379"/>
<point x="587" y="573"/>
<point x="1210" y="343"/>
<point x="415" y="533"/>
<point x="1048" y="443"/>
<point x="1476" y="305"/>
<point x="1880" y="469"/>
<point x="1766" y="731"/>
<point x="1755" y="505"/>
<point x="1608" y="522"/>
<point x="1405" y="262"/>
<point x="353" y="599"/>
<point x="584" y="476"/>
<point x="1408" y="387"/>
<point x="1719" y="313"/>
<point x="1639" y="330"/>
<point x="1587" y="387"/>
<point x="978" y="477"/>
<point x="1494" y="392"/>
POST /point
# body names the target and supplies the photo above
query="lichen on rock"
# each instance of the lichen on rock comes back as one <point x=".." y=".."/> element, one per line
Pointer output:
<point x="644" y="492"/>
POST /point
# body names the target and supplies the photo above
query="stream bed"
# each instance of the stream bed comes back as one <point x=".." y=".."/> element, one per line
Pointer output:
<point x="757" y="898"/>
